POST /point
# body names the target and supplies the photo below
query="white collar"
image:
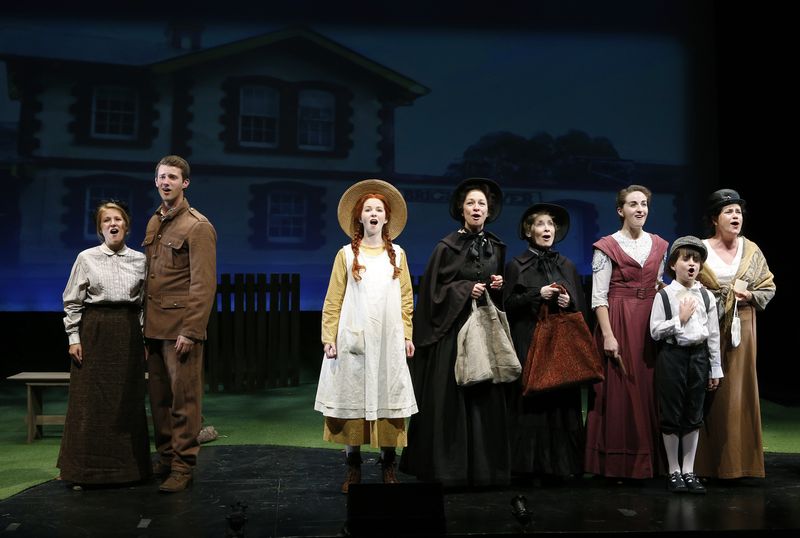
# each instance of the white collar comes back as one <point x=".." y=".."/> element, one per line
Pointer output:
<point x="107" y="251"/>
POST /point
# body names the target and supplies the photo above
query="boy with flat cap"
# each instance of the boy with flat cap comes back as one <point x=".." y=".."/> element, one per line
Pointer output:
<point x="684" y="319"/>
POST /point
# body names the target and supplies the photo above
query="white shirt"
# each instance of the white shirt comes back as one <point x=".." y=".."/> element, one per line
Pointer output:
<point x="701" y="327"/>
<point x="102" y="276"/>
<point x="724" y="271"/>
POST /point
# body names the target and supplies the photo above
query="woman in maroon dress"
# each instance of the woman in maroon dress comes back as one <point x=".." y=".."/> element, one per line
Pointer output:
<point x="622" y="428"/>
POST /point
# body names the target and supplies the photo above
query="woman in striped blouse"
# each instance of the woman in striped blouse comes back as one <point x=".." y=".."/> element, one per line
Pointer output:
<point x="105" y="435"/>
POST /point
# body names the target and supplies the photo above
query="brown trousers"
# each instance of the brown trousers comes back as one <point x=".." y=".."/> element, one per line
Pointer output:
<point x="176" y="394"/>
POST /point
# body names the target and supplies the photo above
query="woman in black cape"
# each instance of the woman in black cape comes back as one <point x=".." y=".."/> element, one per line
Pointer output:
<point x="548" y="433"/>
<point x="460" y="435"/>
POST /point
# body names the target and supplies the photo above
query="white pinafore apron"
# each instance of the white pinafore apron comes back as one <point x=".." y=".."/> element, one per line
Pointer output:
<point x="369" y="378"/>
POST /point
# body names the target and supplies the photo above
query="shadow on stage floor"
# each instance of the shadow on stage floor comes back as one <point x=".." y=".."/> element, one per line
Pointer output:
<point x="295" y="492"/>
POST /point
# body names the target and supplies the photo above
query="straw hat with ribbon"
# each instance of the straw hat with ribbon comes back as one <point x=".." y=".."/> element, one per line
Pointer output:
<point x="373" y="186"/>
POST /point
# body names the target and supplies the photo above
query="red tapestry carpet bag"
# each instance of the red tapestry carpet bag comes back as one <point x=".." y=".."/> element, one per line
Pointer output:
<point x="562" y="353"/>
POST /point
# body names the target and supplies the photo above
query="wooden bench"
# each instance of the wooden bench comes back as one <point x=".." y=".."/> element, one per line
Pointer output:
<point x="37" y="382"/>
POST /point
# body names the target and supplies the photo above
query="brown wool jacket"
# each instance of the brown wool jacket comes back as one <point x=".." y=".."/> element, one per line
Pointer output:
<point x="181" y="281"/>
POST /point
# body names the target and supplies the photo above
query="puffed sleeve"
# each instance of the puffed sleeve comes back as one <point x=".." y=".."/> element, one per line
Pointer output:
<point x="332" y="306"/>
<point x="406" y="297"/>
<point x="601" y="278"/>
<point x="74" y="296"/>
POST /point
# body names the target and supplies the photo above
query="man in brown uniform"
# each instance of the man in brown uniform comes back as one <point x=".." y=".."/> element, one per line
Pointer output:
<point x="180" y="245"/>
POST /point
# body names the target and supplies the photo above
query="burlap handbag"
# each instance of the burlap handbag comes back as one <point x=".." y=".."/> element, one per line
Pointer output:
<point x="562" y="354"/>
<point x="484" y="347"/>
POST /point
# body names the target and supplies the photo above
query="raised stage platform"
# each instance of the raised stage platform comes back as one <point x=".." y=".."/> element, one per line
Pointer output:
<point x="295" y="492"/>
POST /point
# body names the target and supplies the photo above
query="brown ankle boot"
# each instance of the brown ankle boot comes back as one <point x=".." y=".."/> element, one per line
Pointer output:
<point x="387" y="464"/>
<point x="353" y="471"/>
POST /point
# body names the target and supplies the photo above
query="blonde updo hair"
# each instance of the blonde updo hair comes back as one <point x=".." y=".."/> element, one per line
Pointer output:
<point x="112" y="204"/>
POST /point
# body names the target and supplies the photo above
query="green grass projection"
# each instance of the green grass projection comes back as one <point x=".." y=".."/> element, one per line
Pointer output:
<point x="282" y="416"/>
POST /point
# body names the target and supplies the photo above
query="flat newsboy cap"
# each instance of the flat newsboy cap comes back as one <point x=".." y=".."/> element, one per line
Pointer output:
<point x="721" y="198"/>
<point x="687" y="241"/>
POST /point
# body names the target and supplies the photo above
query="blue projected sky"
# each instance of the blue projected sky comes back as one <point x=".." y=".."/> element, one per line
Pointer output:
<point x="627" y="88"/>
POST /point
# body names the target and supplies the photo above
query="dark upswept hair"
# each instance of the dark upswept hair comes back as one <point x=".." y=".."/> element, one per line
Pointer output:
<point x="484" y="188"/>
<point x="623" y="193"/>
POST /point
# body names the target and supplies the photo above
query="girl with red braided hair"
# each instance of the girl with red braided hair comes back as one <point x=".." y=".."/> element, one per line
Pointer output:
<point x="365" y="390"/>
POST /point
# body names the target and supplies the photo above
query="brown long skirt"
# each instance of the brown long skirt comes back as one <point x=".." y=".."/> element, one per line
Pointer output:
<point x="381" y="433"/>
<point x="730" y="444"/>
<point x="105" y="435"/>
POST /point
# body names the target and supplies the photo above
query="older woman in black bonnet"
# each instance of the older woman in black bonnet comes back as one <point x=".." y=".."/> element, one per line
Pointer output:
<point x="548" y="439"/>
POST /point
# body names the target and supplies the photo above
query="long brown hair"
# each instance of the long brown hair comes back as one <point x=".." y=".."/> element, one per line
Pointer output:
<point x="358" y="235"/>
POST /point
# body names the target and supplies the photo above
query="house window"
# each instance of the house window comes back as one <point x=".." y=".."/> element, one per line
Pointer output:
<point x="115" y="113"/>
<point x="84" y="193"/>
<point x="315" y="120"/>
<point x="265" y="115"/>
<point x="258" y="117"/>
<point x="287" y="216"/>
<point x="97" y="194"/>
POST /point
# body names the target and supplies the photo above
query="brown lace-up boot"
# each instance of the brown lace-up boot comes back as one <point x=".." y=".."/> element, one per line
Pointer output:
<point x="353" y="471"/>
<point x="387" y="464"/>
<point x="176" y="481"/>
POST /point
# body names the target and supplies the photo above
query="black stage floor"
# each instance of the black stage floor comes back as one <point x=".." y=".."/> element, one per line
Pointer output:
<point x="295" y="492"/>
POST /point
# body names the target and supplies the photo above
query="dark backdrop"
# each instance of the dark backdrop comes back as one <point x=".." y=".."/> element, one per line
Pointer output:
<point x="756" y="146"/>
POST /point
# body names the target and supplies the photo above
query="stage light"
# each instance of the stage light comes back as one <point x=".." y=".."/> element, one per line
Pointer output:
<point x="236" y="520"/>
<point x="520" y="510"/>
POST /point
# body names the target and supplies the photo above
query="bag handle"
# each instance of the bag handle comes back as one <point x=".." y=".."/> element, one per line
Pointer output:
<point x="489" y="303"/>
<point x="544" y="309"/>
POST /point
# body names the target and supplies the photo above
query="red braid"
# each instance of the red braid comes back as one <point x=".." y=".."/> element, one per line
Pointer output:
<point x="358" y="234"/>
<point x="387" y="242"/>
<point x="355" y="243"/>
